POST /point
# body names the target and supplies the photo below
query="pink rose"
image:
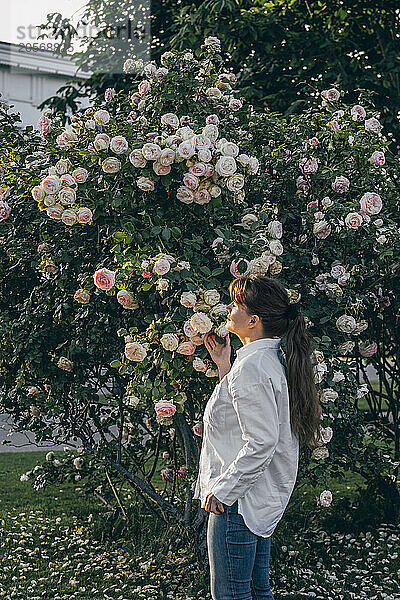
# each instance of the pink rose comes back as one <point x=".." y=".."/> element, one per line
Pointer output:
<point x="191" y="181"/>
<point x="5" y="210"/>
<point x="104" y="279"/>
<point x="146" y="273"/>
<point x="371" y="203"/>
<point x="182" y="472"/>
<point x="161" y="266"/>
<point x="135" y="351"/>
<point x="69" y="217"/>
<point x="308" y="165"/>
<point x="164" y="408"/>
<point x="51" y="184"/>
<point x="234" y="268"/>
<point x="43" y="125"/>
<point x="84" y="215"/>
<point x="358" y="112"/>
<point x="377" y="158"/>
<point x="55" y="212"/>
<point x="366" y="349"/>
<point x="353" y="220"/>
<point x="127" y="299"/>
<point x="341" y="185"/>
<point x="67" y="180"/>
<point x="4" y="193"/>
<point x="166" y="474"/>
<point x="198" y="429"/>
<point x="332" y="94"/>
<point x="334" y="125"/>
<point x="186" y="348"/>
<point x="312" y="205"/>
<point x="80" y="175"/>
<point x="212" y="120"/>
<point x="201" y="196"/>
<point x="38" y="193"/>
<point x="109" y="94"/>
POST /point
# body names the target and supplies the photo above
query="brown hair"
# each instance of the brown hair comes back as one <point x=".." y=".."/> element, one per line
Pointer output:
<point x="269" y="299"/>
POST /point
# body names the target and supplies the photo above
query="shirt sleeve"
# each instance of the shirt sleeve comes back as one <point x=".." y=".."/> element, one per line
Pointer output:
<point x="257" y="412"/>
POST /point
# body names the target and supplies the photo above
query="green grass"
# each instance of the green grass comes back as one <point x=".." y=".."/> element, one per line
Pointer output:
<point x="50" y="538"/>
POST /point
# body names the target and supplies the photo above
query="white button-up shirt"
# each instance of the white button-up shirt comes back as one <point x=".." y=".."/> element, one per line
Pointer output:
<point x="249" y="451"/>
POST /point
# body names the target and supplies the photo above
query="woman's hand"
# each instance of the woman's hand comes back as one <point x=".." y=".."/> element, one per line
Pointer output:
<point x="220" y="353"/>
<point x="213" y="505"/>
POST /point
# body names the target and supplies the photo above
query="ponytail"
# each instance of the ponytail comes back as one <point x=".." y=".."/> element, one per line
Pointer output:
<point x="305" y="410"/>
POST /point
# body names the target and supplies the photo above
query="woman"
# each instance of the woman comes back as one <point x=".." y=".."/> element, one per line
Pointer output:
<point x="260" y="413"/>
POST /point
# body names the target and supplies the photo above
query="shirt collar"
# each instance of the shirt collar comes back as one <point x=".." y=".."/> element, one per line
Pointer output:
<point x="257" y="345"/>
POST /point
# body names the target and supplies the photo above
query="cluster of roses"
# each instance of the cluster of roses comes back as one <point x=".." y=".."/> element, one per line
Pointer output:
<point x="57" y="193"/>
<point x="370" y="202"/>
<point x="348" y="325"/>
<point x="267" y="262"/>
<point x="159" y="265"/>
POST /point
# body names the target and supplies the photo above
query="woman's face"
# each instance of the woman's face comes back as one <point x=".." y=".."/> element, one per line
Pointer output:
<point x="238" y="318"/>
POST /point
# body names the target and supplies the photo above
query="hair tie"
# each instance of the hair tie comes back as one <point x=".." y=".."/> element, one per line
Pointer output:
<point x="292" y="312"/>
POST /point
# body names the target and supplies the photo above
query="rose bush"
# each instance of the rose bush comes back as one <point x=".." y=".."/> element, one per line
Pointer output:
<point x="188" y="186"/>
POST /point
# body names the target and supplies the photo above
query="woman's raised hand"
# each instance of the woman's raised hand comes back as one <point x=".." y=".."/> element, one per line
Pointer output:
<point x="220" y="353"/>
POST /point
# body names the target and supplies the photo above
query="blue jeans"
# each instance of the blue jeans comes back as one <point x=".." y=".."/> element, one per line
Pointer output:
<point x="238" y="558"/>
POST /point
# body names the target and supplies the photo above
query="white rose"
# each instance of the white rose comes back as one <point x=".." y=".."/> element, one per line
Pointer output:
<point x="151" y="151"/>
<point x="137" y="159"/>
<point x="230" y="149"/>
<point x="212" y="297"/>
<point x="226" y="166"/>
<point x="102" y="116"/>
<point x="346" y="323"/>
<point x="170" y="119"/>
<point x="199" y="365"/>
<point x="235" y="182"/>
<point x="188" y="299"/>
<point x="204" y="155"/>
<point x="169" y="341"/>
<point x="55" y="212"/>
<point x="201" y="322"/>
<point x="187" y="148"/>
<point x="67" y="195"/>
<point x="213" y="93"/>
<point x="135" y="351"/>
<point x="328" y="395"/>
<point x="161" y="266"/>
<point x="275" y="229"/>
<point x="373" y="125"/>
<point x="111" y="165"/>
<point x="337" y="376"/>
<point x="145" y="184"/>
<point x="101" y="142"/>
<point x="167" y="156"/>
<point x="118" y="144"/>
<point x="211" y="131"/>
<point x="160" y="169"/>
<point x="185" y="195"/>
<point x="276" y="247"/>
